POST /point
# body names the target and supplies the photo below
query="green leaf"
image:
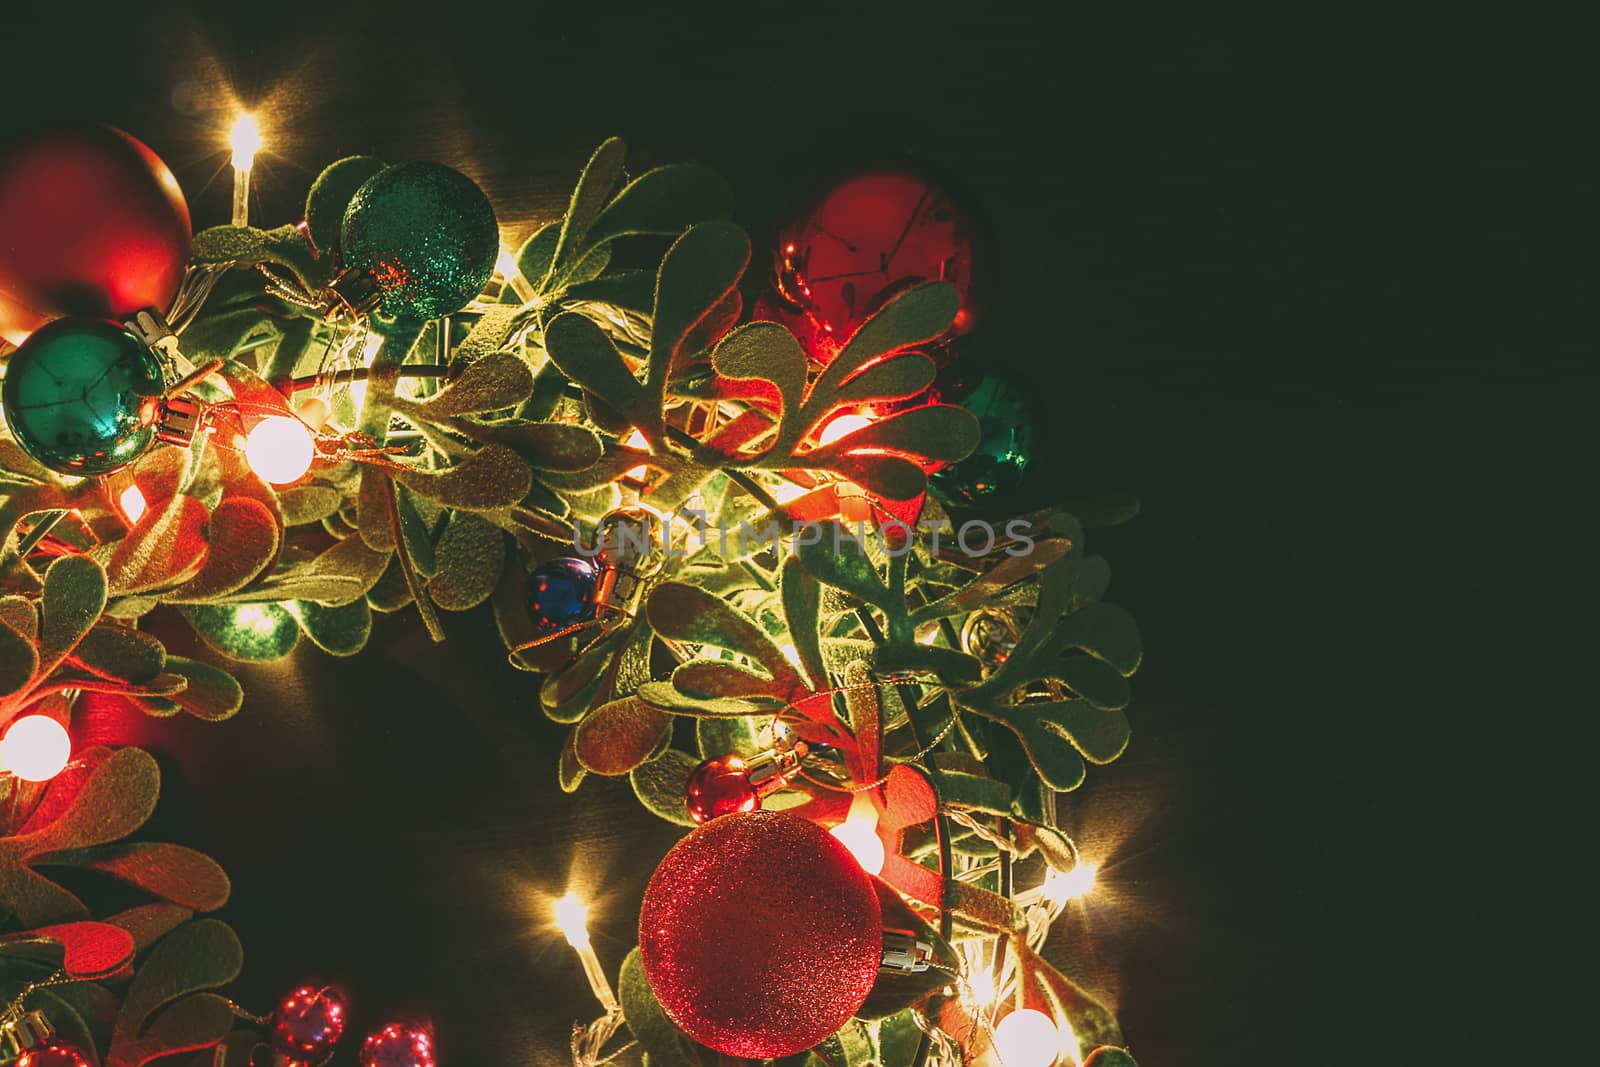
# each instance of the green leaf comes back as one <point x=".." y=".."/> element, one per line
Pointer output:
<point x="168" y="545"/>
<point x="919" y="314"/>
<point x="338" y="631"/>
<point x="538" y="252"/>
<point x="247" y="246"/>
<point x="112" y="650"/>
<point x="1095" y="680"/>
<point x="618" y="736"/>
<point x="174" y="873"/>
<point x="204" y="954"/>
<point x="665" y="201"/>
<point x="663" y="1043"/>
<point x="416" y="534"/>
<point x="492" y="477"/>
<point x="212" y="693"/>
<point x="1103" y="630"/>
<point x="802" y="607"/>
<point x="594" y="188"/>
<point x="498" y="380"/>
<point x="684" y="612"/>
<point x="1109" y="1056"/>
<point x="698" y="272"/>
<point x="583" y="352"/>
<point x="243" y="538"/>
<point x="470" y="555"/>
<point x="74" y="597"/>
<point x="848" y="569"/>
<point x="662" y="784"/>
<point x="250" y="632"/>
<point x="18" y="660"/>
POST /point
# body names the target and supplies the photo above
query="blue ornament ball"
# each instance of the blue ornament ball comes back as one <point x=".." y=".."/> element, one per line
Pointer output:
<point x="562" y="593"/>
<point x="82" y="396"/>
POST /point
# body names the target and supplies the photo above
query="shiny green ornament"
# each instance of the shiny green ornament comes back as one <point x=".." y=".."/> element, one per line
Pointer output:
<point x="1005" y="445"/>
<point x="81" y="396"/>
<point x="425" y="234"/>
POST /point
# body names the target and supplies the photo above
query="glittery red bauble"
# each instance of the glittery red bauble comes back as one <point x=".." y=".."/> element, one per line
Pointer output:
<point x="53" y="1053"/>
<point x="309" y="1023"/>
<point x="720" y="786"/>
<point x="871" y="238"/>
<point x="760" y="934"/>
<point x="92" y="223"/>
<point x="398" y="1045"/>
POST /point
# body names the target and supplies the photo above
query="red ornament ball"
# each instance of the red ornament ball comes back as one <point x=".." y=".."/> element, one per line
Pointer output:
<point x="398" y="1045"/>
<point x="870" y="239"/>
<point x="720" y="786"/>
<point x="94" y="224"/>
<point x="53" y="1053"/>
<point x="760" y="934"/>
<point x="309" y="1023"/>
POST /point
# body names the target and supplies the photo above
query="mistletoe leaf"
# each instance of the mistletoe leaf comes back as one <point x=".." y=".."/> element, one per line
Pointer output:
<point x="116" y="798"/>
<point x="1048" y="990"/>
<point x="74" y="596"/>
<point x="919" y="314"/>
<point x="538" y="252"/>
<point x="934" y="431"/>
<point x="86" y="951"/>
<point x="353" y="566"/>
<point x="1104" y="631"/>
<point x="149" y="923"/>
<point x="1109" y="1056"/>
<point x="569" y="772"/>
<point x="662" y="1042"/>
<point x="112" y="650"/>
<point x="665" y="201"/>
<point x="470" y="555"/>
<point x="620" y="735"/>
<point x="665" y="696"/>
<point x="203" y="954"/>
<point x="243" y="539"/>
<point x="848" y="569"/>
<point x="589" y="196"/>
<point x="338" y="631"/>
<point x="212" y="693"/>
<point x="167" y="546"/>
<point x="20" y="615"/>
<point x="1095" y="680"/>
<point x="662" y="783"/>
<point x="802" y="608"/>
<point x="1008" y="572"/>
<point x="684" y="612"/>
<point x="496" y="381"/>
<point x="174" y="873"/>
<point x="195" y="1022"/>
<point x="19" y="659"/>
<point x="246" y="246"/>
<point x="893" y="378"/>
<point x="698" y="272"/>
<point x="492" y="477"/>
<point x="249" y="632"/>
<point x="583" y="352"/>
<point x="416" y="536"/>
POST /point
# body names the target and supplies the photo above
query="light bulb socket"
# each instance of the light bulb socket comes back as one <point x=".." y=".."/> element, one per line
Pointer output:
<point x="352" y="292"/>
<point x="179" y="420"/>
<point x="22" y="1031"/>
<point x="905" y="953"/>
<point x="774" y="769"/>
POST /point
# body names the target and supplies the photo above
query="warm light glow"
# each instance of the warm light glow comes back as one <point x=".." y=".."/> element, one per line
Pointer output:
<point x="572" y="916"/>
<point x="982" y="988"/>
<point x="35" y="749"/>
<point x="859" y="834"/>
<point x="245" y="137"/>
<point x="842" y="426"/>
<point x="133" y="504"/>
<point x="254" y="617"/>
<point x="1060" y="887"/>
<point x="642" y="471"/>
<point x="280" y="449"/>
<point x="1027" y="1038"/>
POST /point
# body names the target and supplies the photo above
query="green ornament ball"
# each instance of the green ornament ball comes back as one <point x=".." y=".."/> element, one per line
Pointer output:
<point x="81" y="396"/>
<point x="1005" y="445"/>
<point x="331" y="193"/>
<point x="427" y="236"/>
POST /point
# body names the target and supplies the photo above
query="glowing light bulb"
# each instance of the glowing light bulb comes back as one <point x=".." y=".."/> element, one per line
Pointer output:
<point x="642" y="471"/>
<point x="842" y="426"/>
<point x="280" y="449"/>
<point x="133" y="504"/>
<point x="1027" y="1038"/>
<point x="1060" y="887"/>
<point x="245" y="139"/>
<point x="506" y="265"/>
<point x="35" y="749"/>
<point x="572" y="917"/>
<point x="859" y="834"/>
<point x="982" y="989"/>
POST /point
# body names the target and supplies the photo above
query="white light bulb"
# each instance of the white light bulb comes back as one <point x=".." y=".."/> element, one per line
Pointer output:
<point x="1060" y="887"/>
<point x="280" y="449"/>
<point x="245" y="139"/>
<point x="36" y="748"/>
<point x="842" y="426"/>
<point x="859" y="834"/>
<point x="1027" y="1038"/>
<point x="133" y="504"/>
<point x="572" y="917"/>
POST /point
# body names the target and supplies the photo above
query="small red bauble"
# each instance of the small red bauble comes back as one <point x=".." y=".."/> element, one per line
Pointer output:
<point x="53" y="1053"/>
<point x="760" y="934"/>
<point x="94" y="224"/>
<point x="398" y="1045"/>
<point x="309" y="1023"/>
<point x="871" y="238"/>
<point x="720" y="786"/>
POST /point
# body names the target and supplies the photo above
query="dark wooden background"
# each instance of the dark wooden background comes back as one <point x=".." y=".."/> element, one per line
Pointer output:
<point x="1307" y="283"/>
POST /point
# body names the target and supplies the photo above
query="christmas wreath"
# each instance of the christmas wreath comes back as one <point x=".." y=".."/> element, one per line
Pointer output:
<point x="744" y="524"/>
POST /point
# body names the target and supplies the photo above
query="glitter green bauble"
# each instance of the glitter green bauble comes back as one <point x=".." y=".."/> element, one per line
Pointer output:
<point x="81" y="396"/>
<point x="1005" y="446"/>
<point x="426" y="234"/>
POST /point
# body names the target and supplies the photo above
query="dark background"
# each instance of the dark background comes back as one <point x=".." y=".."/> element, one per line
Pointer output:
<point x="1308" y="283"/>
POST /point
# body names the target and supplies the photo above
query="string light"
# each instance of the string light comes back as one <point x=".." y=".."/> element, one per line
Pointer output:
<point x="133" y="504"/>
<point x="842" y="426"/>
<point x="642" y="471"/>
<point x="36" y="748"/>
<point x="859" y="834"/>
<point x="280" y="449"/>
<point x="1062" y="886"/>
<point x="1027" y="1038"/>
<point x="572" y="918"/>
<point x="506" y="264"/>
<point x="245" y="138"/>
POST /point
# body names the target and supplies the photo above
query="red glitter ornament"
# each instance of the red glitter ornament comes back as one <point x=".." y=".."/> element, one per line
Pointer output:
<point x="720" y="787"/>
<point x="760" y="934"/>
<point x="309" y="1023"/>
<point x="95" y="225"/>
<point x="398" y="1045"/>
<point x="53" y="1053"/>
<point x="871" y="238"/>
